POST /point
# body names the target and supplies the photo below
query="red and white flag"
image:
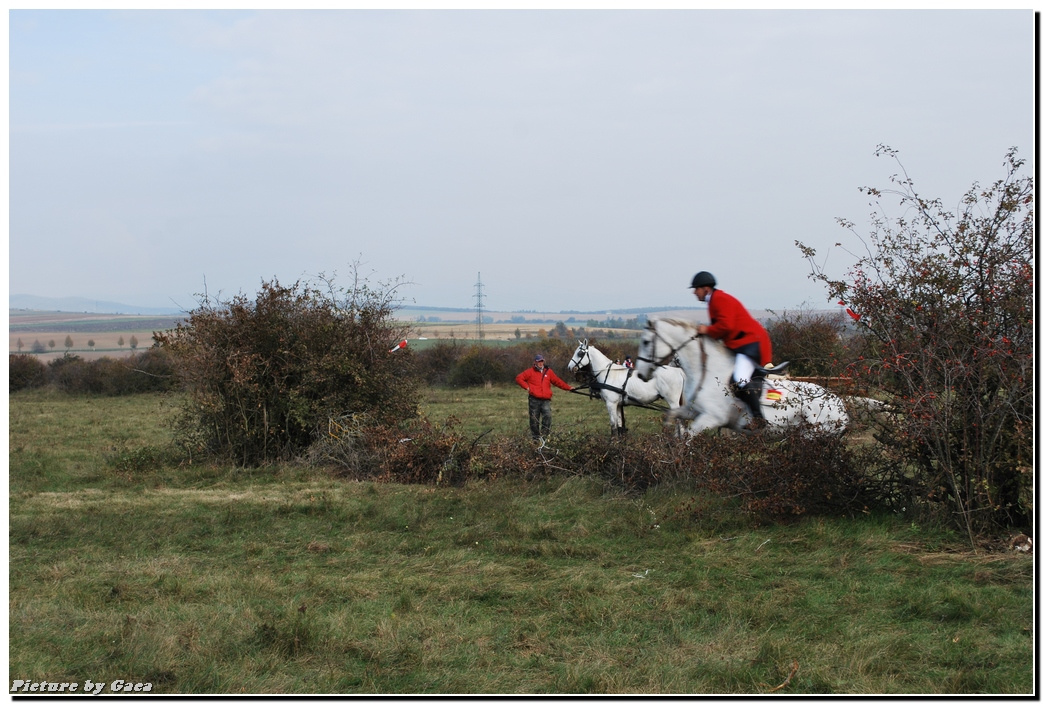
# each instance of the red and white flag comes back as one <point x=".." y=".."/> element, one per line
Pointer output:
<point x="854" y="316"/>
<point x="399" y="346"/>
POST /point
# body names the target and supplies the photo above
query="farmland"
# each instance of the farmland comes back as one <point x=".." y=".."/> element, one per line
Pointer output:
<point x="201" y="578"/>
<point x="106" y="330"/>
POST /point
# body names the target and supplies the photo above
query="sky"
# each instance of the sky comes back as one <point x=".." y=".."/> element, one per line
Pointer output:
<point x="584" y="159"/>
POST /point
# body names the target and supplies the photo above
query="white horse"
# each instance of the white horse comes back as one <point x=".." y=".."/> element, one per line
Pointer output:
<point x="709" y="400"/>
<point x="618" y="385"/>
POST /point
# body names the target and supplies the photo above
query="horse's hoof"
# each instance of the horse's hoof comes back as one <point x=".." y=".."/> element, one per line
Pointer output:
<point x="755" y="426"/>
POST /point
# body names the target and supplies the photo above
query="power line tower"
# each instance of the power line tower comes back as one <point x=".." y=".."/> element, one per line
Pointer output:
<point x="479" y="297"/>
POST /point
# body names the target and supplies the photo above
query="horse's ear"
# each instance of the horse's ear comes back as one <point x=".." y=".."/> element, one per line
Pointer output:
<point x="584" y="340"/>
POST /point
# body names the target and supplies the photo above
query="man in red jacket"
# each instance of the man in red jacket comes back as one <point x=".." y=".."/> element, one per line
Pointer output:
<point x="537" y="380"/>
<point x="741" y="333"/>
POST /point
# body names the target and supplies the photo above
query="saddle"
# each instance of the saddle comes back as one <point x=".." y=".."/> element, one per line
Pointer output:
<point x="776" y="369"/>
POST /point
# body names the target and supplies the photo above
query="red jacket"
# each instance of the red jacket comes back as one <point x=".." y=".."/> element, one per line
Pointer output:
<point x="732" y="323"/>
<point x="538" y="383"/>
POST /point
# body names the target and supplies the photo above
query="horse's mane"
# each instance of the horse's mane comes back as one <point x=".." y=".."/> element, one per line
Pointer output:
<point x="679" y="321"/>
<point x="692" y="326"/>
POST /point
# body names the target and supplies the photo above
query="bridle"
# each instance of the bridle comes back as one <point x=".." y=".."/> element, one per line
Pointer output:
<point x="662" y="361"/>
<point x="585" y="356"/>
<point x="584" y="360"/>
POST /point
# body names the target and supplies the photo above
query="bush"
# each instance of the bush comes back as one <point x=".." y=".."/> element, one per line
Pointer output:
<point x="946" y="305"/>
<point x="68" y="373"/>
<point x="26" y="372"/>
<point x="812" y="342"/>
<point x="435" y="364"/>
<point x="460" y="365"/>
<point x="146" y="372"/>
<point x="265" y="377"/>
<point x="814" y="474"/>
<point x="481" y="365"/>
<point x="770" y="478"/>
<point x="153" y="371"/>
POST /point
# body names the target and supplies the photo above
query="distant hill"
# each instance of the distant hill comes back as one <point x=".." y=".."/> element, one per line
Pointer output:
<point x="406" y="312"/>
<point x="83" y="305"/>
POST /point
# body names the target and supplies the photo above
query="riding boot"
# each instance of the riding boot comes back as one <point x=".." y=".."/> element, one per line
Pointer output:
<point x="751" y="396"/>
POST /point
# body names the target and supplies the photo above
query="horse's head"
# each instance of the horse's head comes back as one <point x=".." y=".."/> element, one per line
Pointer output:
<point x="646" y="353"/>
<point x="579" y="357"/>
<point x="662" y="340"/>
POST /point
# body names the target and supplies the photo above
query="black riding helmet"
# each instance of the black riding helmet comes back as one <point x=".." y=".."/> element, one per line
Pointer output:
<point x="703" y="278"/>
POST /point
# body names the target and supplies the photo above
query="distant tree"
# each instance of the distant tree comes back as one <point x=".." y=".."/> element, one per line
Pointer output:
<point x="90" y="343"/>
<point x="37" y="346"/>
<point x="517" y="336"/>
<point x="68" y="342"/>
<point x="20" y="344"/>
<point x="120" y="341"/>
<point x="50" y="343"/>
<point x="133" y="342"/>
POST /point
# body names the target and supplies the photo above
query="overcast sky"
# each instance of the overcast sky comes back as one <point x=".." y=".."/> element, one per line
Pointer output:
<point x="580" y="160"/>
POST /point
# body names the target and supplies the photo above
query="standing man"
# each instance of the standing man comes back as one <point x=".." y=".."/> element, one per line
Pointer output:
<point x="741" y="333"/>
<point x="537" y="380"/>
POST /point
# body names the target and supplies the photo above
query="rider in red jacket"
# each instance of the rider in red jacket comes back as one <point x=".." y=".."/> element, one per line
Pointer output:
<point x="537" y="380"/>
<point x="741" y="333"/>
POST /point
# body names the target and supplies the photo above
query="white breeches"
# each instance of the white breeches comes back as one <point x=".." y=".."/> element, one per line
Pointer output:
<point x="743" y="371"/>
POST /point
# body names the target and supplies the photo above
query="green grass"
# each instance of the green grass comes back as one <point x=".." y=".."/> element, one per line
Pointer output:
<point x="283" y="580"/>
<point x="504" y="409"/>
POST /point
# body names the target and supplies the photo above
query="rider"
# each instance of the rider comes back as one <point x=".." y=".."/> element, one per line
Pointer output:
<point x="741" y="333"/>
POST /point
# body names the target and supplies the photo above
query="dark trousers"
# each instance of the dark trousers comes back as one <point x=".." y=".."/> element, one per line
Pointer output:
<point x="539" y="417"/>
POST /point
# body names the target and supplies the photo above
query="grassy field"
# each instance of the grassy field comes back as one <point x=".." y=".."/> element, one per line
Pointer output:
<point x="210" y="579"/>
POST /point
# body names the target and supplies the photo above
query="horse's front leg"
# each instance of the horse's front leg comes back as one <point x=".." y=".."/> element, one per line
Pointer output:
<point x="613" y="417"/>
<point x="686" y="412"/>
<point x="704" y="421"/>
<point x="680" y="420"/>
